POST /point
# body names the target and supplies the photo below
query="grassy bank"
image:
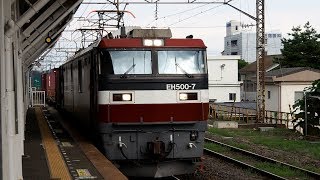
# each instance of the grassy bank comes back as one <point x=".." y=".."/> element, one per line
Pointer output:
<point x="281" y="139"/>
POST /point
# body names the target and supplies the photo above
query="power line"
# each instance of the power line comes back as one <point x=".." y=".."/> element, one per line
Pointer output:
<point x="195" y="27"/>
<point x="152" y="2"/>
<point x="82" y="13"/>
<point x="170" y="15"/>
<point x="194" y="15"/>
<point x="163" y="2"/>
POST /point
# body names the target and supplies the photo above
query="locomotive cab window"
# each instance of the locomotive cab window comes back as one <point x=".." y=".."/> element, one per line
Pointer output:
<point x="126" y="62"/>
<point x="181" y="62"/>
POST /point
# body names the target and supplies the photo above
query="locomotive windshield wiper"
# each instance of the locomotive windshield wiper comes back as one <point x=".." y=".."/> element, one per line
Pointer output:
<point x="124" y="75"/>
<point x="184" y="71"/>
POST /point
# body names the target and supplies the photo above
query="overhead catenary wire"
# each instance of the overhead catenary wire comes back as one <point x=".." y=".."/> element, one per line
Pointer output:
<point x="181" y="12"/>
<point x="87" y="5"/>
<point x="85" y="10"/>
<point x="162" y="2"/>
<point x="109" y="3"/>
<point x="191" y="9"/>
<point x="196" y="27"/>
<point x="189" y="17"/>
<point x="77" y="35"/>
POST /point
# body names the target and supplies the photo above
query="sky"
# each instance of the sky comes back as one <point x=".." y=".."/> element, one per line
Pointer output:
<point x="204" y="21"/>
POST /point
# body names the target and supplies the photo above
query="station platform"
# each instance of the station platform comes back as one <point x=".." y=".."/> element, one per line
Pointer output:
<point x="54" y="150"/>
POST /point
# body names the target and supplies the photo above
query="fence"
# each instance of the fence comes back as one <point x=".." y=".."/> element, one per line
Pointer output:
<point x="224" y="112"/>
<point x="38" y="98"/>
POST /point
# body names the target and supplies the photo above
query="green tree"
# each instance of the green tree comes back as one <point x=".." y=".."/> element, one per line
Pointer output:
<point x="302" y="48"/>
<point x="313" y="110"/>
<point x="242" y="63"/>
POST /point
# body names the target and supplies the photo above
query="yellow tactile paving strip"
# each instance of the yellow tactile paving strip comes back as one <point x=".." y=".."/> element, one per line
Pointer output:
<point x="100" y="162"/>
<point x="57" y="166"/>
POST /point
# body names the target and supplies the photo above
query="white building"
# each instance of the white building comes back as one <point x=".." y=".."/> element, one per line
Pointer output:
<point x="224" y="85"/>
<point x="239" y="41"/>
<point x="284" y="86"/>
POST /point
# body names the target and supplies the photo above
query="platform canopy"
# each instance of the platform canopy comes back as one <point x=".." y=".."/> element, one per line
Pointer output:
<point x="41" y="23"/>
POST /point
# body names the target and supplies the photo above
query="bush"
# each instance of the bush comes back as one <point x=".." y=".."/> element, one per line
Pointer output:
<point x="313" y="110"/>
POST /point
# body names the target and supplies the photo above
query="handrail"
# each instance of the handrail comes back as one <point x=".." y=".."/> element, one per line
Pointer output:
<point x="225" y="112"/>
<point x="38" y="98"/>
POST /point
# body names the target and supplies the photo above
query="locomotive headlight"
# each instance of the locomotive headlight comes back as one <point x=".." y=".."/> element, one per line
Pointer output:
<point x="183" y="96"/>
<point x="158" y="42"/>
<point x="122" y="97"/>
<point x="147" y="42"/>
<point x="188" y="96"/>
<point x="153" y="42"/>
<point x="193" y="135"/>
<point x="126" y="97"/>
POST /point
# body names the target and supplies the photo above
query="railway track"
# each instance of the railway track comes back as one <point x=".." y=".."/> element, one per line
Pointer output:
<point x="257" y="157"/>
<point x="175" y="177"/>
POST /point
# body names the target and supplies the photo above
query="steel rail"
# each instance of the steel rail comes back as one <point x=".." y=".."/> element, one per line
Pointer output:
<point x="175" y="177"/>
<point x="242" y="164"/>
<point x="267" y="159"/>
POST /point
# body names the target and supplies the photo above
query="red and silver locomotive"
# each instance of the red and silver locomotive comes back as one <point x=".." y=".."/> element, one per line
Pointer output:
<point x="146" y="95"/>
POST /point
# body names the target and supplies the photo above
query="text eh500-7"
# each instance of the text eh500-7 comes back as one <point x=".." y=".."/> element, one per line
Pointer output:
<point x="180" y="86"/>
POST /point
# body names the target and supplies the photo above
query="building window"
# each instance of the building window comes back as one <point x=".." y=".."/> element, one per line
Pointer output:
<point x="298" y="95"/>
<point x="234" y="43"/>
<point x="279" y="35"/>
<point x="227" y="43"/>
<point x="269" y="35"/>
<point x="232" y="96"/>
<point x="236" y="28"/>
<point x="266" y="41"/>
<point x="269" y="94"/>
<point x="234" y="53"/>
<point x="274" y="35"/>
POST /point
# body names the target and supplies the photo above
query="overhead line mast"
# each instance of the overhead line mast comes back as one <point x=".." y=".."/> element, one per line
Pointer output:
<point x="260" y="42"/>
<point x="260" y="53"/>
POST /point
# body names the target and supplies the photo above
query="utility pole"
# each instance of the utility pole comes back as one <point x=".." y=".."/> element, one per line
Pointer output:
<point x="260" y="53"/>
